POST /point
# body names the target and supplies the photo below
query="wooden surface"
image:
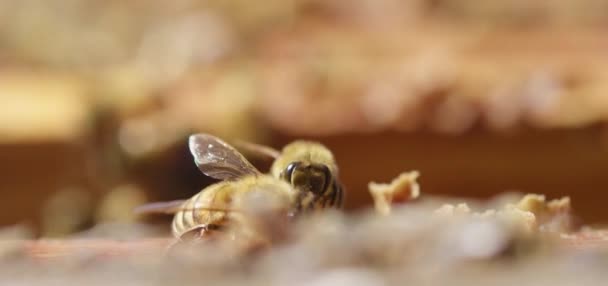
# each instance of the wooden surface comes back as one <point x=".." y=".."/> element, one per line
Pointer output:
<point x="61" y="248"/>
<point x="100" y="248"/>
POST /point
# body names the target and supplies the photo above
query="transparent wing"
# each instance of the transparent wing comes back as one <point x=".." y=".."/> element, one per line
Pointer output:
<point x="217" y="159"/>
<point x="172" y="207"/>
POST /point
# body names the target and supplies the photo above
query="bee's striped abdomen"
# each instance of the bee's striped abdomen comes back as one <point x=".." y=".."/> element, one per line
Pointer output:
<point x="184" y="219"/>
<point x="196" y="212"/>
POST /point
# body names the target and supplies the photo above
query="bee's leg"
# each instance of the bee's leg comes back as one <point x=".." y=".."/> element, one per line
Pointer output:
<point x="171" y="246"/>
<point x="192" y="235"/>
<point x="211" y="231"/>
<point x="198" y="234"/>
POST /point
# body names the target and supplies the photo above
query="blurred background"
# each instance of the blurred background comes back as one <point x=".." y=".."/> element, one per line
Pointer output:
<point x="97" y="98"/>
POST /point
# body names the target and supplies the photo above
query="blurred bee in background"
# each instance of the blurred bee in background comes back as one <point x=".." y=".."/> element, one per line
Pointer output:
<point x="303" y="178"/>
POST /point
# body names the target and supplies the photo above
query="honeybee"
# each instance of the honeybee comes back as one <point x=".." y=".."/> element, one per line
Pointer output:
<point x="303" y="178"/>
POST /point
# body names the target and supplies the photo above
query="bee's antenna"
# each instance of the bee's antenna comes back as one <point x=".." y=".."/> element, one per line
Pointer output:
<point x="169" y="207"/>
<point x="258" y="149"/>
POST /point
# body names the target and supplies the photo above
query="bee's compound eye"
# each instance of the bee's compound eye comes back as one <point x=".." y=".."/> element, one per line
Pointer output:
<point x="289" y="170"/>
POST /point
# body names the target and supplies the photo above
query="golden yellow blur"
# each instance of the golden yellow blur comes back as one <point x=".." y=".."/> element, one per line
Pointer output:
<point x="480" y="98"/>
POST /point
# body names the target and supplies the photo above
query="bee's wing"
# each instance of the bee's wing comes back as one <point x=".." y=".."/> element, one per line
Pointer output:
<point x="258" y="149"/>
<point x="217" y="159"/>
<point x="170" y="207"/>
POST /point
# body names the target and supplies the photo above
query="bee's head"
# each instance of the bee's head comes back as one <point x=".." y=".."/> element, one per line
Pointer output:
<point x="310" y="168"/>
<point x="309" y="177"/>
